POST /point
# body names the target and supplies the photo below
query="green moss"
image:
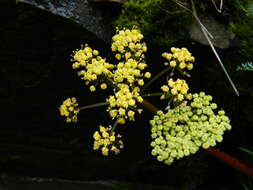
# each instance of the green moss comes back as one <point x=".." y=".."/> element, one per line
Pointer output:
<point x="155" y="18"/>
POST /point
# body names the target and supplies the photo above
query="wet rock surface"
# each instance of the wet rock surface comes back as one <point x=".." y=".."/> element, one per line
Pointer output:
<point x="20" y="182"/>
<point x="87" y="13"/>
<point x="221" y="37"/>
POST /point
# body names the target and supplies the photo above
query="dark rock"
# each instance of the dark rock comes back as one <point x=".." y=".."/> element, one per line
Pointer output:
<point x="221" y="35"/>
<point x="84" y="12"/>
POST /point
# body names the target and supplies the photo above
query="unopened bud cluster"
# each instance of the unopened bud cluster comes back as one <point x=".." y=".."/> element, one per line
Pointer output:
<point x="183" y="130"/>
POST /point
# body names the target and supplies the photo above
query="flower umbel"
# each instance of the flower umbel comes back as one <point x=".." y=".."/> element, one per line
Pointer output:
<point x="107" y="141"/>
<point x="180" y="59"/>
<point x="91" y="66"/>
<point x="70" y="110"/>
<point x="178" y="90"/>
<point x="122" y="105"/>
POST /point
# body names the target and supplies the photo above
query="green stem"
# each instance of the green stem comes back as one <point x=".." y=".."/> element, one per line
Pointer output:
<point x="152" y="94"/>
<point x="114" y="126"/>
<point x="155" y="78"/>
<point x="111" y="83"/>
<point x="93" y="105"/>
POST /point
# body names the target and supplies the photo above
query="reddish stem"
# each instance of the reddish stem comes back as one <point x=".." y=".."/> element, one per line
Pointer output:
<point x="213" y="151"/>
<point x="230" y="161"/>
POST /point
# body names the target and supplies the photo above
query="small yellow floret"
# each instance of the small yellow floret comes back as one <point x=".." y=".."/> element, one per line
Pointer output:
<point x="92" y="88"/>
<point x="173" y="63"/>
<point x="182" y="65"/>
<point x="165" y="88"/>
<point x="103" y="86"/>
<point x="190" y="66"/>
<point x="147" y="75"/>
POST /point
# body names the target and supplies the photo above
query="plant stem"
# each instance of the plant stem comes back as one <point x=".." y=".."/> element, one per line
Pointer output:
<point x="114" y="126"/>
<point x="93" y="105"/>
<point x="230" y="161"/>
<point x="150" y="107"/>
<point x="152" y="94"/>
<point x="154" y="79"/>
<point x="213" y="151"/>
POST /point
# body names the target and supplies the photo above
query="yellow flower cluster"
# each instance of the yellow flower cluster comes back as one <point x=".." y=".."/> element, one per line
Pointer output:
<point x="127" y="44"/>
<point x="179" y="58"/>
<point x="92" y="65"/>
<point x="178" y="89"/>
<point x="128" y="75"/>
<point x="123" y="104"/>
<point x="69" y="109"/>
<point x="130" y="52"/>
<point x="130" y="70"/>
<point x="106" y="140"/>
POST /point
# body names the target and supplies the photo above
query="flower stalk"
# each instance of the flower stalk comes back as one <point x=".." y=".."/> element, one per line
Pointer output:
<point x="155" y="78"/>
<point x="93" y="105"/>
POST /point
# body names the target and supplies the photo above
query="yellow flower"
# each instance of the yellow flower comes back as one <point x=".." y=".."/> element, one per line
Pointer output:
<point x="139" y="99"/>
<point x="92" y="88"/>
<point x="162" y="97"/>
<point x="112" y="138"/>
<point x="130" y="113"/>
<point x="105" y="134"/>
<point x="189" y="96"/>
<point x="118" y="56"/>
<point x="140" y="82"/>
<point x="184" y="90"/>
<point x="127" y="55"/>
<point x="174" y="91"/>
<point x="147" y="75"/>
<point x="122" y="111"/>
<point x="95" y="52"/>
<point x="103" y="86"/>
<point x="182" y="65"/>
<point x="171" y="83"/>
<point x="105" y="151"/>
<point x="190" y="66"/>
<point x="113" y="113"/>
<point x="141" y="66"/>
<point x="165" y="88"/>
<point x="69" y="109"/>
<point x="180" y="97"/>
<point x="168" y="56"/>
<point x="75" y="65"/>
<point x="121" y="120"/>
<point x="174" y="50"/>
<point x="102" y="129"/>
<point x="144" y="48"/>
<point x="131" y="102"/>
<point x="113" y="47"/>
<point x="173" y="63"/>
<point x="96" y="136"/>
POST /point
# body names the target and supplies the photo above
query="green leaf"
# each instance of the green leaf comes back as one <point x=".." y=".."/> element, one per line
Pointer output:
<point x="247" y="66"/>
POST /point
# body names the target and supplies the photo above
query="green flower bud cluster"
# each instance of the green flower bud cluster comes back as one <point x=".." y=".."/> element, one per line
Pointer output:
<point x="186" y="128"/>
